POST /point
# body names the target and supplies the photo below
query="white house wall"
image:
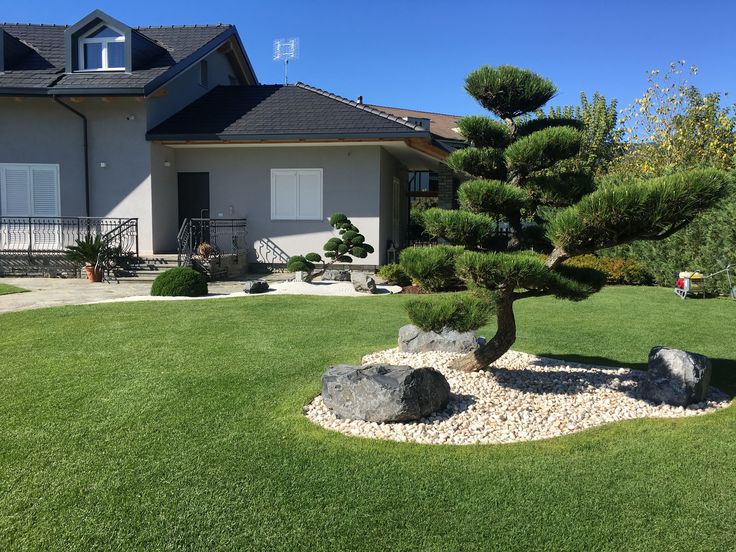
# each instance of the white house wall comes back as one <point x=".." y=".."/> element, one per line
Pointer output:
<point x="41" y="131"/>
<point x="240" y="187"/>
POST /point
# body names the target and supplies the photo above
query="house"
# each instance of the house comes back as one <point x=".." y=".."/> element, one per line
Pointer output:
<point x="144" y="131"/>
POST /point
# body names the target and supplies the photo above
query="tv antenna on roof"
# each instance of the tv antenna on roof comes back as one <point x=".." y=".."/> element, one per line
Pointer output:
<point x="286" y="49"/>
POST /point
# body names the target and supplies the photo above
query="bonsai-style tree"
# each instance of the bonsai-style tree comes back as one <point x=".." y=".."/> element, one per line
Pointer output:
<point x="519" y="163"/>
<point x="351" y="243"/>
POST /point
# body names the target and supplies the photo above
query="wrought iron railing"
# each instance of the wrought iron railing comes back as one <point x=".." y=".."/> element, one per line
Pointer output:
<point x="227" y="236"/>
<point x="38" y="244"/>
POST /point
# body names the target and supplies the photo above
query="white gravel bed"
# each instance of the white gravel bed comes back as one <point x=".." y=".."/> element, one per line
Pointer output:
<point x="521" y="397"/>
<point x="335" y="289"/>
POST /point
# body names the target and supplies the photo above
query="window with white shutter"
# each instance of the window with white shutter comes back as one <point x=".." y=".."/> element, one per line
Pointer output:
<point x="30" y="190"/>
<point x="296" y="194"/>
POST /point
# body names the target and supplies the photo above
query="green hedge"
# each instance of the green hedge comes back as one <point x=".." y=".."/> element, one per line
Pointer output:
<point x="703" y="245"/>
<point x="458" y="311"/>
<point x="617" y="270"/>
<point x="180" y="282"/>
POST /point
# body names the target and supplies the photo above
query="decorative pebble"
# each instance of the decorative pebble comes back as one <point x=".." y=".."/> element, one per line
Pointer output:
<point x="521" y="397"/>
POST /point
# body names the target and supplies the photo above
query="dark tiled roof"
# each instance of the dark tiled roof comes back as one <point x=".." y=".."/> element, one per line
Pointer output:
<point x="277" y="112"/>
<point x="43" y="66"/>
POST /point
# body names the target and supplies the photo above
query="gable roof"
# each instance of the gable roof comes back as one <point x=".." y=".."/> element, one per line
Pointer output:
<point x="41" y="66"/>
<point x="441" y="124"/>
<point x="280" y="112"/>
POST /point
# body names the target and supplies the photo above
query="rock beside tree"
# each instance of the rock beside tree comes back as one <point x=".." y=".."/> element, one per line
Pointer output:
<point x="384" y="393"/>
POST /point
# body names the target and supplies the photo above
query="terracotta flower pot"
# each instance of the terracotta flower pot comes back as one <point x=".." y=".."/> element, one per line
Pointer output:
<point x="93" y="274"/>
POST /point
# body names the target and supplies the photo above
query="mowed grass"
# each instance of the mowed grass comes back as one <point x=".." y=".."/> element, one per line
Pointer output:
<point x="7" y="289"/>
<point x="178" y="425"/>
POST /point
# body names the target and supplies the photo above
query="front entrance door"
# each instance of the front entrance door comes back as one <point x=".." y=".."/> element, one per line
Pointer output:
<point x="194" y="195"/>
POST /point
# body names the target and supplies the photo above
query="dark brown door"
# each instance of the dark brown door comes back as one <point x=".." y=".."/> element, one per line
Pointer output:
<point x="194" y="195"/>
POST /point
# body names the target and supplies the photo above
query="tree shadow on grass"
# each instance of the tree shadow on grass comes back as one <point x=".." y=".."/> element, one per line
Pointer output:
<point x="724" y="369"/>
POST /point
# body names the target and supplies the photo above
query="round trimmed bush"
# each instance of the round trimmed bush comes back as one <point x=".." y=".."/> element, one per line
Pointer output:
<point x="180" y="282"/>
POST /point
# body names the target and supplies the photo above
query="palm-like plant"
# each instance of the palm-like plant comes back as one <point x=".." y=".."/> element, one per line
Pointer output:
<point x="88" y="251"/>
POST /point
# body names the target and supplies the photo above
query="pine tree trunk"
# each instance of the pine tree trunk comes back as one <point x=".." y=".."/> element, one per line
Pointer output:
<point x="515" y="230"/>
<point x="498" y="345"/>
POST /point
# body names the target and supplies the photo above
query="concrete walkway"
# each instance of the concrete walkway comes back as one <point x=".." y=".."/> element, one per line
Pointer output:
<point x="56" y="292"/>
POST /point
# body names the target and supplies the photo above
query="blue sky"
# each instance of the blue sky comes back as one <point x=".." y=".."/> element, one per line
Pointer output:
<point x="416" y="54"/>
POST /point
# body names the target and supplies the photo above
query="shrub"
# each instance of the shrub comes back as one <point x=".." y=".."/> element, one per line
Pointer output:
<point x="178" y="282"/>
<point x="617" y="270"/>
<point x="394" y="275"/>
<point x="433" y="267"/>
<point x="462" y="312"/>
<point x="351" y="243"/>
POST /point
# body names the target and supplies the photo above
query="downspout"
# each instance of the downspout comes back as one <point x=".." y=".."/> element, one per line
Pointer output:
<point x="86" y="151"/>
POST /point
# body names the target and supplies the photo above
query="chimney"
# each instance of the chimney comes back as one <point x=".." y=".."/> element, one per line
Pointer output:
<point x="360" y="100"/>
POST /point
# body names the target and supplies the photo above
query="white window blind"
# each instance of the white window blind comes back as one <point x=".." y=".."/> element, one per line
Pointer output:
<point x="296" y="194"/>
<point x="29" y="190"/>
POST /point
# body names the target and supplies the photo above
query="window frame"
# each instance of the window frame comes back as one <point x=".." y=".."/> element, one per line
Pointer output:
<point x="104" y="41"/>
<point x="204" y="74"/>
<point x="298" y="216"/>
<point x="29" y="168"/>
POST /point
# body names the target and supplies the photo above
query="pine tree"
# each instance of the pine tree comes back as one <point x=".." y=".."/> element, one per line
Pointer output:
<point x="519" y="162"/>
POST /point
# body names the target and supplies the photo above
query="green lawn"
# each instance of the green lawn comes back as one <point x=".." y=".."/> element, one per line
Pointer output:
<point x="7" y="289"/>
<point x="177" y="425"/>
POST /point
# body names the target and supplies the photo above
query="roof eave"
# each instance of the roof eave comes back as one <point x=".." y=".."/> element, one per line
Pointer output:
<point x="295" y="137"/>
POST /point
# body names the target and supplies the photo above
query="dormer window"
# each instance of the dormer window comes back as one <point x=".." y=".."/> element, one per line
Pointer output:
<point x="103" y="49"/>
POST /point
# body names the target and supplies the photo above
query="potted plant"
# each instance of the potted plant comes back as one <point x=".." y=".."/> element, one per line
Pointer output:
<point x="90" y="252"/>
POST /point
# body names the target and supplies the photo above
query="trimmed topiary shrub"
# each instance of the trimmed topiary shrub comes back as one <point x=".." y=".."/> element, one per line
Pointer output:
<point x="432" y="267"/>
<point x="180" y="282"/>
<point x="462" y="312"/>
<point x="351" y="243"/>
<point x="617" y="270"/>
<point x="394" y="275"/>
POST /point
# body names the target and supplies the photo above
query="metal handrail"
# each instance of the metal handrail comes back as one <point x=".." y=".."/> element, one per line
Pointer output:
<point x="227" y="235"/>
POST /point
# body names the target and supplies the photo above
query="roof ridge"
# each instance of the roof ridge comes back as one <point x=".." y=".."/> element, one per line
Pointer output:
<point x="9" y="24"/>
<point x="195" y="26"/>
<point x="356" y="105"/>
<point x="417" y="110"/>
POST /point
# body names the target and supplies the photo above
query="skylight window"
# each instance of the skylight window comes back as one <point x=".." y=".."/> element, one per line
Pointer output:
<point x="102" y="50"/>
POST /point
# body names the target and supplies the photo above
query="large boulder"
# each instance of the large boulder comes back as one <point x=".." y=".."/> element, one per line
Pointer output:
<point x="336" y="275"/>
<point x="414" y="340"/>
<point x="676" y="377"/>
<point x="255" y="286"/>
<point x="363" y="282"/>
<point x="384" y="393"/>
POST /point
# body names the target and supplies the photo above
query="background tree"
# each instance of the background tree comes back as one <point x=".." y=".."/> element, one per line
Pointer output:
<point x="601" y="136"/>
<point x="510" y="155"/>
<point x="674" y="126"/>
<point x="342" y="249"/>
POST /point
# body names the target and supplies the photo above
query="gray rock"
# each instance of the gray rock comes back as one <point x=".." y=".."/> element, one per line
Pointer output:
<point x="255" y="286"/>
<point x="414" y="340"/>
<point x="337" y="275"/>
<point x="676" y="377"/>
<point x="384" y="393"/>
<point x="363" y="282"/>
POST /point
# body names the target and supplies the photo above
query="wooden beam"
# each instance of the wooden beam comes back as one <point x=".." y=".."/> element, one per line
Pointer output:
<point x="425" y="147"/>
